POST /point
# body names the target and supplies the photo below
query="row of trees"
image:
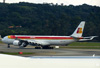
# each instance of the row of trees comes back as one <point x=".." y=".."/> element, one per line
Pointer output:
<point x="48" y="19"/>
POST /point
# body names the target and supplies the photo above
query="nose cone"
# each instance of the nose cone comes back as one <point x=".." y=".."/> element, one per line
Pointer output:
<point x="4" y="39"/>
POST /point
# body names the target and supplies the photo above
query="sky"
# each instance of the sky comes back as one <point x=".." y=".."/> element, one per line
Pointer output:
<point x="65" y="2"/>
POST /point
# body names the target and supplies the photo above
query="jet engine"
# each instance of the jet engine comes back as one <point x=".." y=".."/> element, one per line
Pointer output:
<point x="20" y="43"/>
<point x="17" y="43"/>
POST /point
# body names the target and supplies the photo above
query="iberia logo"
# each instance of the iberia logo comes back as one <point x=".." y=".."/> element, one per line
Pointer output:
<point x="79" y="30"/>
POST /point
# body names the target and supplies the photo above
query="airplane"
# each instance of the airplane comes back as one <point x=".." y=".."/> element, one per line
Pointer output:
<point x="44" y="42"/>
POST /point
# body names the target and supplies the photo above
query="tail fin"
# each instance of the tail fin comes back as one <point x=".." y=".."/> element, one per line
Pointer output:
<point x="79" y="30"/>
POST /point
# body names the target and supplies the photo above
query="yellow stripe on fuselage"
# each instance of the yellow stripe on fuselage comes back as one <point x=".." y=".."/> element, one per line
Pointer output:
<point x="9" y="37"/>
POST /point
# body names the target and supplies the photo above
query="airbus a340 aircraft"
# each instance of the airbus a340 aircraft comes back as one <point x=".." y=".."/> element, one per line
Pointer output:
<point x="44" y="42"/>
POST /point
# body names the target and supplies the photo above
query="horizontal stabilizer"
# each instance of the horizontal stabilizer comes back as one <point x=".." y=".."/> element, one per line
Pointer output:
<point x="88" y="38"/>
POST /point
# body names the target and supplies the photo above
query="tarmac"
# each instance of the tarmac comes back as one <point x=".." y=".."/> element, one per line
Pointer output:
<point x="51" y="52"/>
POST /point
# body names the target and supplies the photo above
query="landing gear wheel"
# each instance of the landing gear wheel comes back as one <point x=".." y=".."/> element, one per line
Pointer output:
<point x="51" y="47"/>
<point x="47" y="47"/>
<point x="37" y="47"/>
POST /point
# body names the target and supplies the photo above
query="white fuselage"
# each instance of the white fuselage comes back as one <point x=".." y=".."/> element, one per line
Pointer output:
<point x="49" y="40"/>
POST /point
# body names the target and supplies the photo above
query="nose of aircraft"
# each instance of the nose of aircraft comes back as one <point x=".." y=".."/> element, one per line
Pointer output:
<point x="4" y="39"/>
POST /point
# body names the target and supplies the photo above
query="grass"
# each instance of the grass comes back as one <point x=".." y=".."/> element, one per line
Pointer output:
<point x="83" y="45"/>
<point x="16" y="53"/>
<point x="1" y="41"/>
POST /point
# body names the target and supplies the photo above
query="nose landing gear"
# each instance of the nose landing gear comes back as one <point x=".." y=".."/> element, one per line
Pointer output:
<point x="8" y="46"/>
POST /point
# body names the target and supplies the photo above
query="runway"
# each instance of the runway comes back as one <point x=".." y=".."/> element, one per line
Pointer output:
<point x="51" y="52"/>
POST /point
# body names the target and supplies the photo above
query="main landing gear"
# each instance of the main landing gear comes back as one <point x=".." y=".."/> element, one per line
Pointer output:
<point x="44" y="47"/>
<point x="47" y="47"/>
<point x="37" y="47"/>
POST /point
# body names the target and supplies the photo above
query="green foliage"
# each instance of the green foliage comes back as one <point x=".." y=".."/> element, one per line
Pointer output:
<point x="16" y="53"/>
<point x="85" y="44"/>
<point x="48" y="19"/>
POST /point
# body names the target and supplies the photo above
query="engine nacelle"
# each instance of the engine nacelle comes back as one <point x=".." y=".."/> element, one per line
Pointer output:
<point x="16" y="43"/>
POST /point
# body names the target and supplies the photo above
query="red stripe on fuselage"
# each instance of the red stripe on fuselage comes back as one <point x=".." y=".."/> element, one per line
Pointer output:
<point x="37" y="37"/>
<point x="41" y="37"/>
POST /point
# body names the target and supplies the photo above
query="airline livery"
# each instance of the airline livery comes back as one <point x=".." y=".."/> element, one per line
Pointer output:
<point x="44" y="42"/>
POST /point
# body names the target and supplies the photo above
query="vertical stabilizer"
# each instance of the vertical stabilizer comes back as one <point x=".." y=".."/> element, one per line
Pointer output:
<point x="79" y="30"/>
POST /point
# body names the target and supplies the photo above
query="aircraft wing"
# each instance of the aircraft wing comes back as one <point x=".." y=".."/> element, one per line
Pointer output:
<point x="38" y="42"/>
